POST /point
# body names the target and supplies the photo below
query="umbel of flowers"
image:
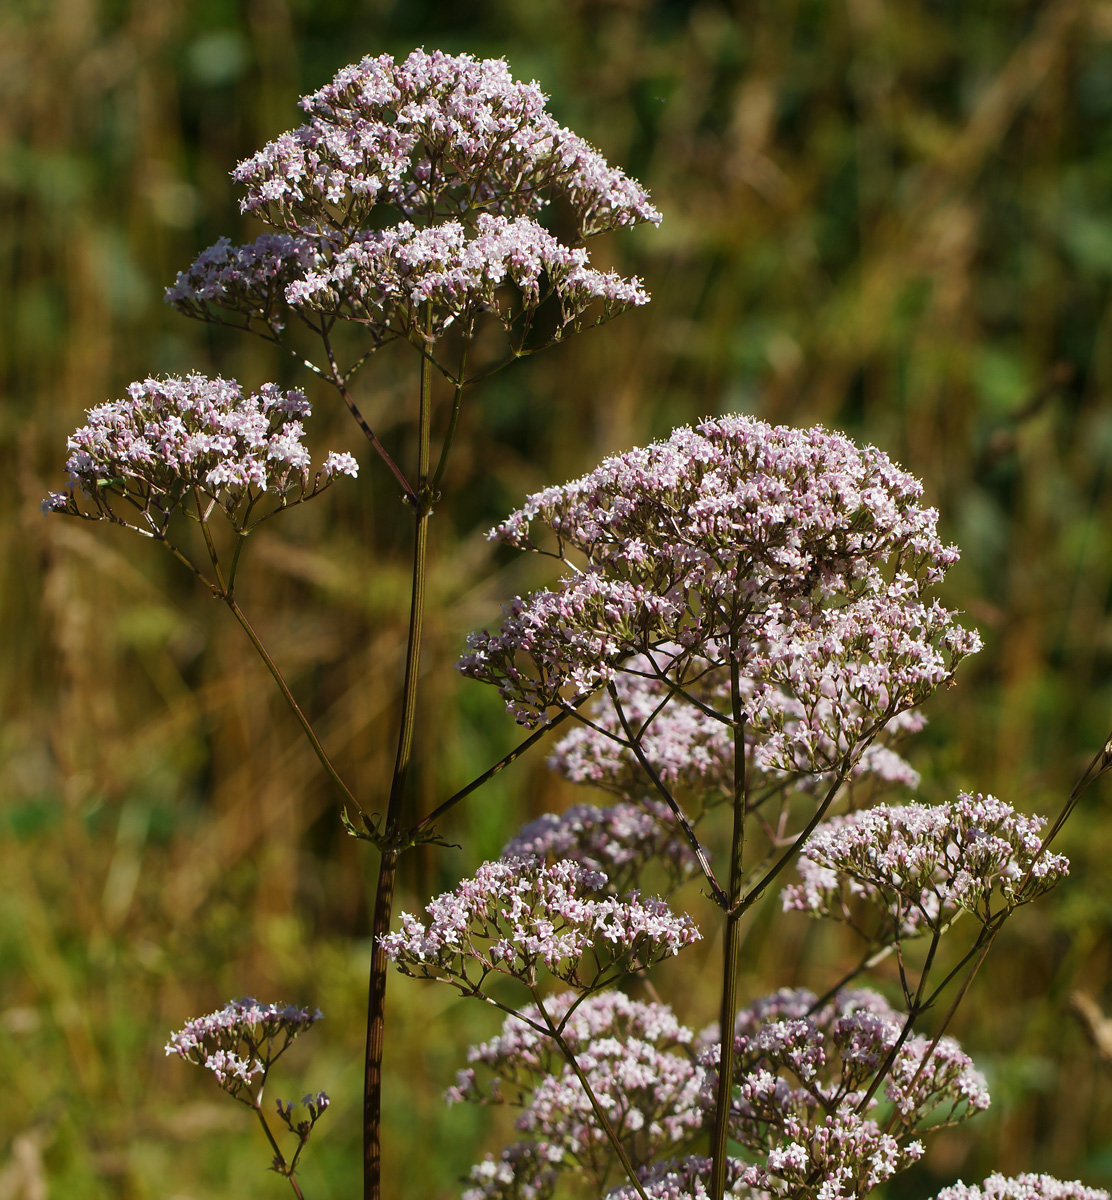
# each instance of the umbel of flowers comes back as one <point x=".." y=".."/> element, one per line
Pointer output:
<point x="410" y="201"/>
<point x="172" y="441"/>
<point x="793" y="553"/>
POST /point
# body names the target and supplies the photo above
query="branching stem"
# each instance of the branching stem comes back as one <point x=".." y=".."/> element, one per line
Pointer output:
<point x="384" y="894"/>
<point x="731" y="942"/>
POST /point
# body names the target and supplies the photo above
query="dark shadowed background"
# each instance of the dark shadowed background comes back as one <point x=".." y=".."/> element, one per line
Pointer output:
<point x="891" y="216"/>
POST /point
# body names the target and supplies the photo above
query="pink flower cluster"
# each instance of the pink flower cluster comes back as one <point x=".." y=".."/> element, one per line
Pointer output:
<point x="690" y="742"/>
<point x="177" y="439"/>
<point x="241" y="1040"/>
<point x="1021" y="1187"/>
<point x="434" y="137"/>
<point x="250" y="280"/>
<point x="805" y="554"/>
<point x="689" y="1179"/>
<point x="468" y="158"/>
<point x="393" y="279"/>
<point x="635" y="1059"/>
<point x="802" y="1073"/>
<point x="917" y="864"/>
<point x="518" y="915"/>
<point x="618" y="841"/>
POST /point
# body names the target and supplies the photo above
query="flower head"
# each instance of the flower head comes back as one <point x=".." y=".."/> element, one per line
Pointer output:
<point x="918" y="864"/>
<point x="447" y="135"/>
<point x="249" y="280"/>
<point x="414" y="282"/>
<point x="1021" y="1187"/>
<point x="634" y="1057"/>
<point x="138" y="460"/>
<point x="518" y="915"/>
<point x="802" y="1072"/>
<point x="242" y="1040"/>
<point x="794" y="551"/>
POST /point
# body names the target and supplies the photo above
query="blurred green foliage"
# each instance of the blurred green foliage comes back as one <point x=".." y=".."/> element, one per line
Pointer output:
<point x="893" y="216"/>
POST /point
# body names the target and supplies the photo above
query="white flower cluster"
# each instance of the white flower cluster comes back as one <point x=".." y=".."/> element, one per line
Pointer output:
<point x="916" y="864"/>
<point x="241" y="1040"/>
<point x="519" y="915"/>
<point x="138" y="460"/>
<point x="807" y="554"/>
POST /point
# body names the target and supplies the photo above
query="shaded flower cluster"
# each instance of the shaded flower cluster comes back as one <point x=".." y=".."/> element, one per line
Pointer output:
<point x="690" y="742"/>
<point x="518" y="915"/>
<point x="412" y="282"/>
<point x="195" y="439"/>
<point x="803" y="1075"/>
<point x="241" y="1041"/>
<point x="794" y="550"/>
<point x="434" y="137"/>
<point x="618" y="841"/>
<point x="636" y="1061"/>
<point x="249" y="280"/>
<point x="918" y="864"/>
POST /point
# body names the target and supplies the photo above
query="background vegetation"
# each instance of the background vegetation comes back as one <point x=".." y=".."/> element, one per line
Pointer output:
<point x="892" y="216"/>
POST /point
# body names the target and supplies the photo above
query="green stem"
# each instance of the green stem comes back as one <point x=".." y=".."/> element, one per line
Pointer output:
<point x="384" y="892"/>
<point x="731" y="944"/>
<point x="434" y="486"/>
<point x="753" y="896"/>
<point x="295" y="708"/>
<point x="223" y="590"/>
<point x="600" y="1113"/>
<point x="488" y="774"/>
<point x="280" y="1164"/>
<point x="339" y="381"/>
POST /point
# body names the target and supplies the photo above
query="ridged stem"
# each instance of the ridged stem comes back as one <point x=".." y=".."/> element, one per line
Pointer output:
<point x="387" y="871"/>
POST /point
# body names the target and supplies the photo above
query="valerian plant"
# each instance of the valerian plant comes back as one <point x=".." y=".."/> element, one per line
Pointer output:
<point x="746" y="621"/>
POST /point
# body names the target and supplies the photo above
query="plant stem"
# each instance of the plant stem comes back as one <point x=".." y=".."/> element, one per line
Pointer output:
<point x="600" y="1113"/>
<point x="280" y="1163"/>
<point x="387" y="871"/>
<point x="634" y="742"/>
<point x="376" y="1029"/>
<point x="478" y="781"/>
<point x="731" y="945"/>
<point x="284" y="688"/>
<point x="339" y="381"/>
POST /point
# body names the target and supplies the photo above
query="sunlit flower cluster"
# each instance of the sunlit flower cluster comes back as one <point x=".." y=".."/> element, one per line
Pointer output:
<point x="468" y="159"/>
<point x="917" y="864"/>
<point x="174" y="440"/>
<point x="795" y="551"/>
<point x="413" y="282"/>
<point x="519" y="915"/>
<point x="433" y="137"/>
<point x="242" y="1040"/>
<point x="249" y="280"/>
<point x="1021" y="1187"/>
